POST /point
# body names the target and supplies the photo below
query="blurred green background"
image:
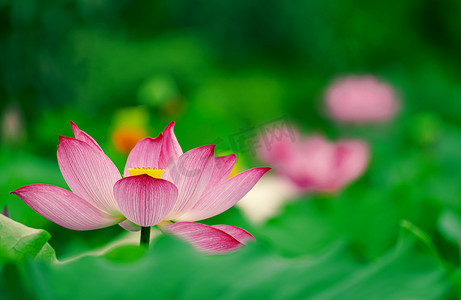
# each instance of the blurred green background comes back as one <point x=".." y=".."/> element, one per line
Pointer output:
<point x="219" y="67"/>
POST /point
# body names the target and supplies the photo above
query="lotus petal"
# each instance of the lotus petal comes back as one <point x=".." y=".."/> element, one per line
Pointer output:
<point x="130" y="226"/>
<point x="145" y="200"/>
<point x="237" y="233"/>
<point x="191" y="175"/>
<point x="145" y="154"/>
<point x="64" y="207"/>
<point x="222" y="169"/>
<point x="89" y="173"/>
<point x="84" y="137"/>
<point x="203" y="237"/>
<point x="225" y="195"/>
<point x="171" y="150"/>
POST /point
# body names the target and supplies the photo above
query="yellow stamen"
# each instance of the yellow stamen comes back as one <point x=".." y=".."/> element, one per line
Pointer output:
<point x="164" y="222"/>
<point x="235" y="170"/>
<point x="155" y="173"/>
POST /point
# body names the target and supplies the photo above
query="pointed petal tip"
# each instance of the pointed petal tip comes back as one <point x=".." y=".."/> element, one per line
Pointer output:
<point x="225" y="194"/>
<point x="229" y="156"/>
<point x="171" y="124"/>
<point x="74" y="127"/>
<point x="169" y="127"/>
<point x="171" y="150"/>
<point x="88" y="172"/>
<point x="64" y="138"/>
<point x="18" y="190"/>
<point x="210" y="147"/>
<point x="203" y="149"/>
<point x="263" y="170"/>
<point x="151" y="139"/>
<point x="159" y="136"/>
<point x="240" y="234"/>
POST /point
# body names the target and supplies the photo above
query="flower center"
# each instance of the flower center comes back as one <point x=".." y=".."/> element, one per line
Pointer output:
<point x="155" y="173"/>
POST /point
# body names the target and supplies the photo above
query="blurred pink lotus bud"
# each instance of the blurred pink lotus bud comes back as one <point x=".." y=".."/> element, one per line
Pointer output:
<point x="361" y="99"/>
<point x="315" y="164"/>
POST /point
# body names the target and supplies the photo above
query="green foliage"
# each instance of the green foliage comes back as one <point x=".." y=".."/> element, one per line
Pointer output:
<point x="171" y="269"/>
<point x="218" y="69"/>
<point x="18" y="242"/>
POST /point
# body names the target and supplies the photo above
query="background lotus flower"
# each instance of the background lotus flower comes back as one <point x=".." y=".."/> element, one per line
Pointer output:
<point x="266" y="199"/>
<point x="315" y="164"/>
<point x="194" y="186"/>
<point x="361" y="99"/>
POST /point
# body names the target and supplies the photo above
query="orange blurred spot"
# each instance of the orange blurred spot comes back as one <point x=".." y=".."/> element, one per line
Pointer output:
<point x="125" y="138"/>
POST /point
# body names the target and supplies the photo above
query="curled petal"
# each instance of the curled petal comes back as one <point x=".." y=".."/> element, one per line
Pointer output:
<point x="171" y="150"/>
<point x="191" y="175"/>
<point x="89" y="173"/>
<point x="225" y="195"/>
<point x="203" y="237"/>
<point x="130" y="226"/>
<point x="84" y="137"/>
<point x="145" y="200"/>
<point x="64" y="208"/>
<point x="237" y="233"/>
<point x="145" y="154"/>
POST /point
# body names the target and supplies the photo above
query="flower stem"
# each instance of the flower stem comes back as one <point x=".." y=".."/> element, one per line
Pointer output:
<point x="145" y="237"/>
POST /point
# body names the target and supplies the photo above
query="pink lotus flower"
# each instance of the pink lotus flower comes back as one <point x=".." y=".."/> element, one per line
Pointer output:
<point x="361" y="99"/>
<point x="315" y="164"/>
<point x="161" y="186"/>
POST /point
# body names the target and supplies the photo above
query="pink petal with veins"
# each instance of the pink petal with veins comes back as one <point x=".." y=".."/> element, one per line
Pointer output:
<point x="84" y="137"/>
<point x="191" y="175"/>
<point x="222" y="169"/>
<point x="237" y="233"/>
<point x="225" y="195"/>
<point x="145" y="200"/>
<point x="130" y="226"/>
<point x="171" y="150"/>
<point x="145" y="154"/>
<point x="64" y="208"/>
<point x="89" y="173"/>
<point x="203" y="237"/>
